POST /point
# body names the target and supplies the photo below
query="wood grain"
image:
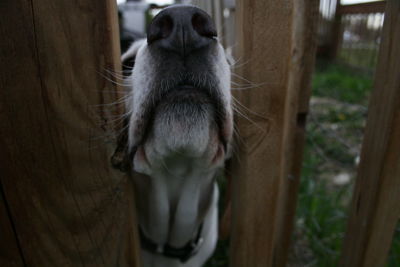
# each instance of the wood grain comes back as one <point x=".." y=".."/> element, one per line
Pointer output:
<point x="304" y="42"/>
<point x="375" y="208"/>
<point x="274" y="57"/>
<point x="362" y="8"/>
<point x="68" y="206"/>
<point x="10" y="252"/>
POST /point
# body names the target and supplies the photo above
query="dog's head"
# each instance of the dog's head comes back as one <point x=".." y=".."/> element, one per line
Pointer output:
<point x="180" y="91"/>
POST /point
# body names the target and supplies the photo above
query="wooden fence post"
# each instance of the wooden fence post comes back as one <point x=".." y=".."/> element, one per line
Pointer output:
<point x="304" y="38"/>
<point x="337" y="32"/>
<point x="276" y="57"/>
<point x="63" y="203"/>
<point x="375" y="208"/>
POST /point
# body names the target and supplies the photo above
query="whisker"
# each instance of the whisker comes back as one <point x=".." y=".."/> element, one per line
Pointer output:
<point x="236" y="109"/>
<point x="118" y="91"/>
<point x="246" y="80"/>
<point x="113" y="82"/>
<point x="246" y="108"/>
<point x="120" y="100"/>
<point x="116" y="75"/>
<point x="247" y="85"/>
<point x="113" y="70"/>
<point x="236" y="66"/>
<point x="116" y="119"/>
<point x="250" y="85"/>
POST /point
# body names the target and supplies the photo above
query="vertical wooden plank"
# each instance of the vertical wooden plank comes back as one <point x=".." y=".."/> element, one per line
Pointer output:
<point x="16" y="64"/>
<point x="271" y="42"/>
<point x="375" y="208"/>
<point x="337" y="32"/>
<point x="304" y="42"/>
<point x="68" y="206"/>
<point x="10" y="253"/>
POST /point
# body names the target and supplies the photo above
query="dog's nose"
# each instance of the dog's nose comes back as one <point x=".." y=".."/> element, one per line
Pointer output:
<point x="181" y="29"/>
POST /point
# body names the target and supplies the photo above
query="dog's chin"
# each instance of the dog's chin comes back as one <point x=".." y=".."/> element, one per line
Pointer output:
<point x="184" y="125"/>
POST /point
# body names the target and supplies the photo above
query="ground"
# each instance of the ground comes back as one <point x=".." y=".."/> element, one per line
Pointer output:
<point x="338" y="111"/>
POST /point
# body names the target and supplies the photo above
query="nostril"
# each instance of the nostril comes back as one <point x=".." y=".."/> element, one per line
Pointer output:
<point x="160" y="28"/>
<point x="203" y="25"/>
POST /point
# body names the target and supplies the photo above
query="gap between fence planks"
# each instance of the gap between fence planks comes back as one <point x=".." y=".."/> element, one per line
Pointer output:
<point x="375" y="208"/>
<point x="67" y="205"/>
<point x="275" y="57"/>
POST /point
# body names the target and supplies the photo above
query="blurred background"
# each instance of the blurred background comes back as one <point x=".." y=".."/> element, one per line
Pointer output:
<point x="348" y="44"/>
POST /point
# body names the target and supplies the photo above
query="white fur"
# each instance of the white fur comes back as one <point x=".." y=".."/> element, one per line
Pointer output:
<point x="178" y="192"/>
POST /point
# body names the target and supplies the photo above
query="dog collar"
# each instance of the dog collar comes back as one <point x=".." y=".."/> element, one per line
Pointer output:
<point x="183" y="253"/>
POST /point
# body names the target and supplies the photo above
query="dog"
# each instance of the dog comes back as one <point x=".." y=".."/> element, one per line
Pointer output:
<point x="179" y="134"/>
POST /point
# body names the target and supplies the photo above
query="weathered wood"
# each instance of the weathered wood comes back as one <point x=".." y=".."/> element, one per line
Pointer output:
<point x="337" y="33"/>
<point x="363" y="8"/>
<point x="68" y="206"/>
<point x="304" y="42"/>
<point x="10" y="253"/>
<point x="375" y="208"/>
<point x="271" y="46"/>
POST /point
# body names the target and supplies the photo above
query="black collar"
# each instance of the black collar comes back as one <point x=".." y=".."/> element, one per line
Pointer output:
<point x="183" y="253"/>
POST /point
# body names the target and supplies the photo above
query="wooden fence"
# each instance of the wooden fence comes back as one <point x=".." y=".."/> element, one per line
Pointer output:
<point x="276" y="39"/>
<point x="375" y="209"/>
<point x="62" y="204"/>
<point x="351" y="33"/>
<point x="359" y="34"/>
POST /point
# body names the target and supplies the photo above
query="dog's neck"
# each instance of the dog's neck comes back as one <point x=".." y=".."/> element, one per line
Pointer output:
<point x="174" y="200"/>
<point x="180" y="157"/>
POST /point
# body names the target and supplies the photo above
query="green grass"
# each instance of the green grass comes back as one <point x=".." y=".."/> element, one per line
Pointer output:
<point x="323" y="206"/>
<point x="363" y="58"/>
<point x="334" y="134"/>
<point x="340" y="83"/>
<point x="394" y="256"/>
<point x="321" y="212"/>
